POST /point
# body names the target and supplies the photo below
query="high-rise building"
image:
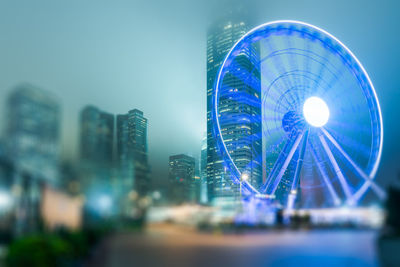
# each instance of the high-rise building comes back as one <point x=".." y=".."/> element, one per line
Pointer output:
<point x="96" y="158"/>
<point x="125" y="155"/>
<point x="33" y="131"/>
<point x="32" y="136"/>
<point x="97" y="135"/>
<point x="132" y="149"/>
<point x="203" y="171"/>
<point x="182" y="181"/>
<point x="243" y="143"/>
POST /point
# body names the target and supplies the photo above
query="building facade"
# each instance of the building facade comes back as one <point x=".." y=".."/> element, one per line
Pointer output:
<point x="96" y="158"/>
<point x="243" y="140"/>
<point x="32" y="148"/>
<point x="132" y="149"/>
<point x="182" y="181"/>
<point x="33" y="131"/>
<point x="96" y="136"/>
<point x="203" y="171"/>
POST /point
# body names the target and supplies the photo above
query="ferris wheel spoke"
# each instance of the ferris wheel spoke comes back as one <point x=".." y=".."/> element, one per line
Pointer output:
<point x="336" y="78"/>
<point x="379" y="191"/>
<point x="278" y="64"/>
<point x="282" y="163"/>
<point x="291" y="94"/>
<point x="357" y="196"/>
<point x="281" y="92"/>
<point x="292" y="72"/>
<point x="273" y="130"/>
<point x="299" y="162"/>
<point x="306" y="62"/>
<point x="325" y="177"/>
<point x="269" y="118"/>
<point x="338" y="171"/>
<point x="296" y="178"/>
<point x="272" y="97"/>
<point x="294" y="95"/>
<point x="292" y="58"/>
<point x="348" y="126"/>
<point x="321" y="71"/>
<point x="351" y="142"/>
<point x="269" y="109"/>
<point x="274" y="57"/>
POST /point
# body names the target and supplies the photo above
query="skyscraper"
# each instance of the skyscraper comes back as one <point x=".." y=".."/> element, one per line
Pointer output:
<point x="32" y="134"/>
<point x="182" y="183"/>
<point x="125" y="155"/>
<point x="33" y="131"/>
<point x="132" y="149"/>
<point x="203" y="171"/>
<point x="96" y="157"/>
<point x="97" y="135"/>
<point x="243" y="142"/>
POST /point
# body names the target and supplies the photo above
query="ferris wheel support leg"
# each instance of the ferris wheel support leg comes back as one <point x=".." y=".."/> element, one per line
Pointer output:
<point x="325" y="176"/>
<point x="377" y="189"/>
<point x="342" y="180"/>
<point x="282" y="170"/>
<point x="361" y="192"/>
<point x="275" y="169"/>
<point x="295" y="184"/>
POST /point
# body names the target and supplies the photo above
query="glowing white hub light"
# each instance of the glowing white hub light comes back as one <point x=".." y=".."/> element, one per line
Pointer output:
<point x="315" y="111"/>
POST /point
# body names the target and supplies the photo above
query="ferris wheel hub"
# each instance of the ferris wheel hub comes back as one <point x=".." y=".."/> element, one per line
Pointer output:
<point x="316" y="111"/>
<point x="292" y="121"/>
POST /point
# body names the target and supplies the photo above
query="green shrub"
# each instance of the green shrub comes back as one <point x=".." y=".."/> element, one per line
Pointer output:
<point x="40" y="250"/>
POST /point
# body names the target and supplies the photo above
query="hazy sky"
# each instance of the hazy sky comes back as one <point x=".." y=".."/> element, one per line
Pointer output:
<point x="151" y="55"/>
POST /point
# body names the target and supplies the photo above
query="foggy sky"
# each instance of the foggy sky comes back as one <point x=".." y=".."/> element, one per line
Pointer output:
<point x="151" y="55"/>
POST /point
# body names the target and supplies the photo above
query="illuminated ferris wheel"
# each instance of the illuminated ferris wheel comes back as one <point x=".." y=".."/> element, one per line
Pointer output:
<point x="320" y="125"/>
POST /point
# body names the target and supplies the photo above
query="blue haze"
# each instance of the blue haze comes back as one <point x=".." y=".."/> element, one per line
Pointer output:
<point x="151" y="55"/>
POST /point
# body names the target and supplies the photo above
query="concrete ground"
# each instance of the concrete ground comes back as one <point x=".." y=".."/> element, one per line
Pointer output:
<point x="168" y="245"/>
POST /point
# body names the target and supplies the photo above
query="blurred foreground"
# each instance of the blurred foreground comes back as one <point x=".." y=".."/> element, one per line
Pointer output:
<point x="171" y="245"/>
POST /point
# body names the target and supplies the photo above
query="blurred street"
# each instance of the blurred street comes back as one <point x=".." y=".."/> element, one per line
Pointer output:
<point x="167" y="245"/>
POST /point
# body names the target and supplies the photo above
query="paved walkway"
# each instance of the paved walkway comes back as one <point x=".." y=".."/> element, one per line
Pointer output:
<point x="164" y="245"/>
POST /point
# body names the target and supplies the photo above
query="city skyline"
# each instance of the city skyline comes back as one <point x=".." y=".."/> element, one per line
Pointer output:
<point x="112" y="63"/>
<point x="199" y="133"/>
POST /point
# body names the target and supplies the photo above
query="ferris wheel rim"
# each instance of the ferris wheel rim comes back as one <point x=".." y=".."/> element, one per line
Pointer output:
<point x="217" y="127"/>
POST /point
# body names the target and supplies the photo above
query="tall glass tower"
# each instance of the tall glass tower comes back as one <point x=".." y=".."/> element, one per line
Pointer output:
<point x="97" y="135"/>
<point x="203" y="171"/>
<point x="132" y="149"/>
<point x="221" y="36"/>
<point x="33" y="131"/>
<point x="182" y="184"/>
<point x="33" y="135"/>
<point x="96" y="155"/>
